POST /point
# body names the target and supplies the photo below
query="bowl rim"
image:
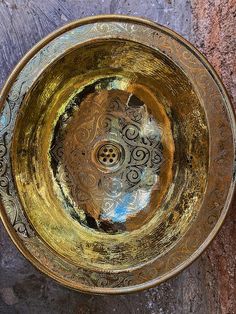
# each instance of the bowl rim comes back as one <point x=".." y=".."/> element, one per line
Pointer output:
<point x="231" y="192"/>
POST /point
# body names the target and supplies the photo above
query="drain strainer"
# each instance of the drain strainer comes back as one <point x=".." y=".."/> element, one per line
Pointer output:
<point x="109" y="155"/>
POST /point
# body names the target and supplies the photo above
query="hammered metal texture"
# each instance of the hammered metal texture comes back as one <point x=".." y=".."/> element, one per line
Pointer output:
<point x="124" y="222"/>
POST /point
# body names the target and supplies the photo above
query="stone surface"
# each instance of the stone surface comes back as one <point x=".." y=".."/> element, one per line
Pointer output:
<point x="214" y="33"/>
<point x="209" y="284"/>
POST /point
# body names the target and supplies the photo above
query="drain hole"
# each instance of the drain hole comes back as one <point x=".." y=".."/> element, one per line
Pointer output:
<point x="109" y="155"/>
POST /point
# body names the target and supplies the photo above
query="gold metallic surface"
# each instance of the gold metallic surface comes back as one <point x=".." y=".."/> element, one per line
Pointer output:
<point x="121" y="152"/>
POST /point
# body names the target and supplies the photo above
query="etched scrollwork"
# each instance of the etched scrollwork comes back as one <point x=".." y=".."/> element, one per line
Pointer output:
<point x="164" y="44"/>
<point x="104" y="122"/>
<point x="3" y="165"/>
<point x="135" y="115"/>
<point x="141" y="155"/>
<point x="115" y="105"/>
<point x="14" y="214"/>
<point x="130" y="134"/>
<point x="133" y="175"/>
<point x="122" y="118"/>
<point x="112" y="186"/>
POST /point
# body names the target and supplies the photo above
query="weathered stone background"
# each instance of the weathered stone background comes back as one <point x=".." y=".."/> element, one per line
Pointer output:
<point x="209" y="284"/>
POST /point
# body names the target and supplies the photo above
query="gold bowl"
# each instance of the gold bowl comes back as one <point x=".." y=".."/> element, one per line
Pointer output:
<point x="116" y="154"/>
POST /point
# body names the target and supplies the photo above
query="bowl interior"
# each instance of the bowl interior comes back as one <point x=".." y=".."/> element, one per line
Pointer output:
<point x="110" y="155"/>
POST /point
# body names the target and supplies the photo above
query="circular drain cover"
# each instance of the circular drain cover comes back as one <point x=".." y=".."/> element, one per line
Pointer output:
<point x="109" y="154"/>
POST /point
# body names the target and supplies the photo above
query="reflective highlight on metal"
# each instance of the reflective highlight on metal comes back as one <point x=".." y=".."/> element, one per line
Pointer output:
<point x="110" y="167"/>
<point x="117" y="146"/>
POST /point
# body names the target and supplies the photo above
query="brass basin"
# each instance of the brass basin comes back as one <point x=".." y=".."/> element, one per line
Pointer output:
<point x="117" y="154"/>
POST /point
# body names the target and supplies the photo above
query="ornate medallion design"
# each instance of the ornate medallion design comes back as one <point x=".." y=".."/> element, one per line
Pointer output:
<point x="117" y="146"/>
<point x="107" y="153"/>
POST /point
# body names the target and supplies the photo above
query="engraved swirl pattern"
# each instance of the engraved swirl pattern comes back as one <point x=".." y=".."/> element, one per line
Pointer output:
<point x="199" y="75"/>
